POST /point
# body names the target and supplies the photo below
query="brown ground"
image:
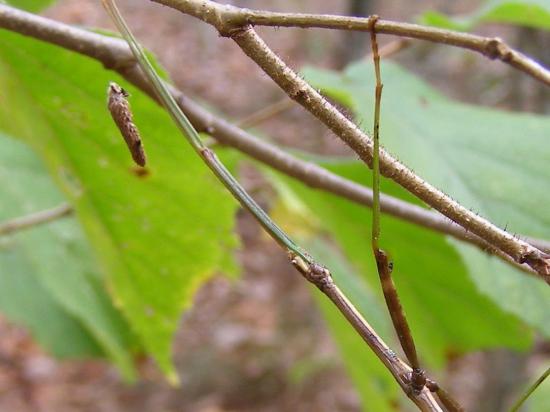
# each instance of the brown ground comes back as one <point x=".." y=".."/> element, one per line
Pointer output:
<point x="236" y="350"/>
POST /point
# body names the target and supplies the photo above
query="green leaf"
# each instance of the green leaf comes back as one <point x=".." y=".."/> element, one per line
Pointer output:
<point x="24" y="300"/>
<point x="30" y="5"/>
<point x="529" y="13"/>
<point x="158" y="234"/>
<point x="46" y="273"/>
<point x="493" y="162"/>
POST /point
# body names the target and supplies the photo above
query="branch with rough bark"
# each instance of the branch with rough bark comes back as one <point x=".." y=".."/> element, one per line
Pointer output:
<point x="114" y="54"/>
<point x="241" y="32"/>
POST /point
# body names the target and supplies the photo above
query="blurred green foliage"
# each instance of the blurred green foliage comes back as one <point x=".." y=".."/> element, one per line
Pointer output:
<point x="528" y="13"/>
<point x="155" y="234"/>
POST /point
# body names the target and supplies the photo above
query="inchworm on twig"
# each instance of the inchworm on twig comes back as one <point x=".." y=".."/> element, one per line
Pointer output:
<point x="120" y="111"/>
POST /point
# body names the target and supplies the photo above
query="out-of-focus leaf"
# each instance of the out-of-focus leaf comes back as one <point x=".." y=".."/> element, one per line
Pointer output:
<point x="157" y="233"/>
<point x="494" y="162"/>
<point x="30" y="5"/>
<point x="47" y="278"/>
<point x="529" y="13"/>
<point x="24" y="300"/>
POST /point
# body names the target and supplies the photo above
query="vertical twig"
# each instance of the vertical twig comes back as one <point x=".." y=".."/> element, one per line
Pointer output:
<point x="376" y="140"/>
<point x="417" y="377"/>
<point x="382" y="262"/>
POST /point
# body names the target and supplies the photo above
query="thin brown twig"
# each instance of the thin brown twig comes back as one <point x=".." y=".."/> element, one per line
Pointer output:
<point x="230" y="17"/>
<point x="223" y="18"/>
<point x="35" y="219"/>
<point x="115" y="55"/>
<point x="445" y="397"/>
<point x="265" y="113"/>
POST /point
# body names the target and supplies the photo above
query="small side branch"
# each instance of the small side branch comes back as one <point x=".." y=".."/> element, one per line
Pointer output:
<point x="417" y="377"/>
<point x="35" y="219"/>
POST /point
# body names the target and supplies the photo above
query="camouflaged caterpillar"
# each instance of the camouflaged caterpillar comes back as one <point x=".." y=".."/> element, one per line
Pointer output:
<point x="120" y="111"/>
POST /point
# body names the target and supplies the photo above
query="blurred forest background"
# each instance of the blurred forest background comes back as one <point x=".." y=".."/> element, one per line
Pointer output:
<point x="258" y="343"/>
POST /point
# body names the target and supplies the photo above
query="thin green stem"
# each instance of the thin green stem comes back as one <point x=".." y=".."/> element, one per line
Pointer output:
<point x="193" y="138"/>
<point x="376" y="142"/>
<point x="531" y="389"/>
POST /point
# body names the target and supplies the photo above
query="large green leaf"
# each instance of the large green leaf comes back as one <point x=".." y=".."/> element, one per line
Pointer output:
<point x="30" y="5"/>
<point x="493" y="162"/>
<point x="47" y="281"/>
<point x="529" y="13"/>
<point x="157" y="234"/>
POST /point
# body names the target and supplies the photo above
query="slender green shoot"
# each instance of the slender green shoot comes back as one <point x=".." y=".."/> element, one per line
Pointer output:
<point x="531" y="389"/>
<point x="193" y="138"/>
<point x="376" y="147"/>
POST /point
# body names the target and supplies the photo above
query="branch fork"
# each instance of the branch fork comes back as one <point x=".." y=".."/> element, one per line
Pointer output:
<point x="313" y="272"/>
